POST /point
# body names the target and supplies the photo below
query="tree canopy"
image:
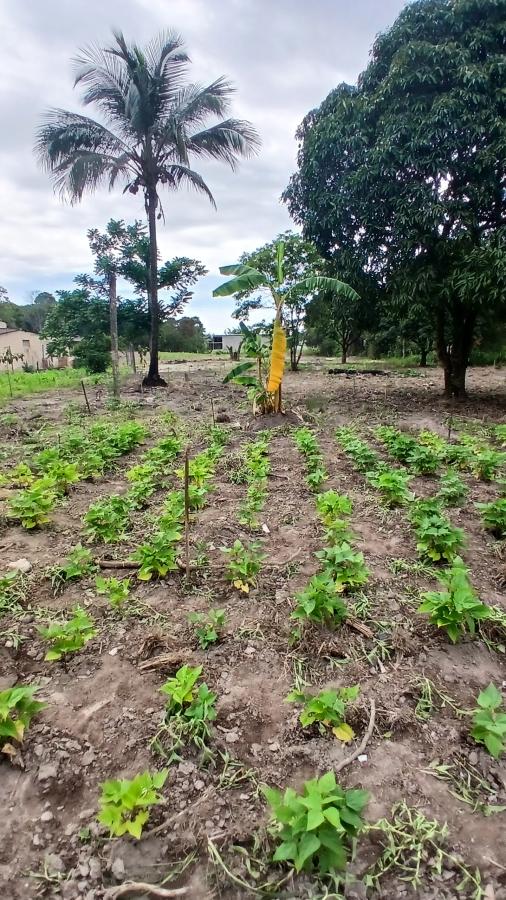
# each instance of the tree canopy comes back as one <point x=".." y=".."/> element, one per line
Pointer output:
<point x="406" y="171"/>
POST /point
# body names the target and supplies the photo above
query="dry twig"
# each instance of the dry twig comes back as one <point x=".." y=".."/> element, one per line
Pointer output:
<point x="363" y="743"/>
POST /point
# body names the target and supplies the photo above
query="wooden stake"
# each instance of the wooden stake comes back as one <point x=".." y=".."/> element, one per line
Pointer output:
<point x="86" y="397"/>
<point x="212" y="410"/>
<point x="187" y="512"/>
<point x="10" y="385"/>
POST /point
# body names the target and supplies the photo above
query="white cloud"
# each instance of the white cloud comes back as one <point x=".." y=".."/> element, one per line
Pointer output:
<point x="283" y="57"/>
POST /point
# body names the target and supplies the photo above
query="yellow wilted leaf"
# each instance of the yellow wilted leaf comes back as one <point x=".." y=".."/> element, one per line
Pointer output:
<point x="9" y="750"/>
<point x="242" y="586"/>
<point x="343" y="733"/>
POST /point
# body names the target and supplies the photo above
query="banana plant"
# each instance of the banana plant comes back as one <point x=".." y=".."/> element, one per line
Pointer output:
<point x="246" y="277"/>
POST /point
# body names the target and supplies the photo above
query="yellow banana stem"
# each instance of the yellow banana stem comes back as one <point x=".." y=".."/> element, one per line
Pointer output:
<point x="278" y="352"/>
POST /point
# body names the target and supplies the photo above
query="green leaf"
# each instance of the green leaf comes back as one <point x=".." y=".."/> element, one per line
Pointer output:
<point x="248" y="279"/>
<point x="308" y="845"/>
<point x="237" y="370"/>
<point x="490" y="698"/>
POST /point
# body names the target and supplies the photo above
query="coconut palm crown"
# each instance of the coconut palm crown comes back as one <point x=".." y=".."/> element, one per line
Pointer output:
<point x="152" y="125"/>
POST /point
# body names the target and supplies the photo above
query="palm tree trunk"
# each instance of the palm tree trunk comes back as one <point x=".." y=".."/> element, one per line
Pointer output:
<point x="113" y="316"/>
<point x="153" y="378"/>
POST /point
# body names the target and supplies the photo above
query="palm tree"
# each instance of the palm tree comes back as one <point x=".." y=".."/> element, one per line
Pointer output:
<point x="154" y="125"/>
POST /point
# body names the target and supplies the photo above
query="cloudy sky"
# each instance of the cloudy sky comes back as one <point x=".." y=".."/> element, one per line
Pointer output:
<point x="283" y="57"/>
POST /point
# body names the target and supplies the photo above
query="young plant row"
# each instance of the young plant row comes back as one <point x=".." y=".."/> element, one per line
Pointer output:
<point x="80" y="456"/>
<point x="307" y="444"/>
<point x="254" y="471"/>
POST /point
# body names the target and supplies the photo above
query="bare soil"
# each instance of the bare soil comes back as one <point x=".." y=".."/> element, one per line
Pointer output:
<point x="104" y="706"/>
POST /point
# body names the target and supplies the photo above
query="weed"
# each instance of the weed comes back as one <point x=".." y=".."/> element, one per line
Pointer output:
<point x="208" y="626"/>
<point x="392" y="485"/>
<point x="17" y="709"/>
<point x="489" y="724"/>
<point x="452" y="490"/>
<point x="327" y="709"/>
<point x="425" y="703"/>
<point x="456" y="609"/>
<point x="116" y="590"/>
<point x="314" y="829"/>
<point x="12" y="592"/>
<point x="467" y="784"/>
<point x="244" y="564"/>
<point x="107" y="520"/>
<point x="67" y="637"/>
<point x="125" y="804"/>
<point x="344" y="565"/>
<point x="493" y="516"/>
<point x="320" y="602"/>
<point x="157" y="556"/>
<point x="413" y="844"/>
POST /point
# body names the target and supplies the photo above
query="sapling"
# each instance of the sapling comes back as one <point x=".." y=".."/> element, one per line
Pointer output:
<point x="189" y="710"/>
<point x="125" y="804"/>
<point x="157" y="556"/>
<point x="327" y="709"/>
<point x="331" y="506"/>
<point x="67" y="637"/>
<point x="489" y="724"/>
<point x="315" y="829"/>
<point x="457" y="609"/>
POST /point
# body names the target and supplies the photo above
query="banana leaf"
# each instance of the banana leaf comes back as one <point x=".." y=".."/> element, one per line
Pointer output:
<point x="237" y="370"/>
<point x="246" y="279"/>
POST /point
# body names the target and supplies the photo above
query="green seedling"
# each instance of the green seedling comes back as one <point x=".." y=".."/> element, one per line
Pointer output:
<point x="315" y="829"/>
<point x="32" y="506"/>
<point x="364" y="458"/>
<point x="108" y="520"/>
<point x="320" y="602"/>
<point x="422" y="461"/>
<point x="188" y="713"/>
<point x="344" y="565"/>
<point x="63" y="474"/>
<point x="78" y="564"/>
<point x="452" y="490"/>
<point x="327" y="710"/>
<point x="458" y="455"/>
<point x="17" y="709"/>
<point x="125" y="804"/>
<point x="115" y="590"/>
<point x="67" y="637"/>
<point x="244" y="564"/>
<point x="255" y="499"/>
<point x="399" y="445"/>
<point x="21" y="475"/>
<point x="489" y="724"/>
<point x="337" y="532"/>
<point x="457" y="609"/>
<point x="331" y="506"/>
<point x="208" y="626"/>
<point x="157" y="557"/>
<point x="316" y="477"/>
<point x="493" y="516"/>
<point x="392" y="485"/>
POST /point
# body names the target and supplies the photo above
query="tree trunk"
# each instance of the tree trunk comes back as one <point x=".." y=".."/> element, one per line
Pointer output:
<point x="294" y="362"/>
<point x="344" y="350"/>
<point x="423" y="358"/>
<point x="153" y="378"/>
<point x="113" y="316"/>
<point x="454" y="358"/>
<point x="132" y="357"/>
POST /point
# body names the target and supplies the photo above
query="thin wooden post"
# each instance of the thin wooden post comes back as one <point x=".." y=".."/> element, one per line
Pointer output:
<point x="187" y="513"/>
<point x="86" y="397"/>
<point x="9" y="380"/>
<point x="212" y="411"/>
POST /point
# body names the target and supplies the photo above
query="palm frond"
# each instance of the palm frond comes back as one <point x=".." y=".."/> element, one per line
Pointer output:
<point x="166" y="56"/>
<point x="105" y="81"/>
<point x="175" y="175"/>
<point x="80" y="153"/>
<point x="226" y="141"/>
<point x="193" y="103"/>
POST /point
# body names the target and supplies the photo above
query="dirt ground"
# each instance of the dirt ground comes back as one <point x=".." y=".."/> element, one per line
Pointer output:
<point x="104" y="706"/>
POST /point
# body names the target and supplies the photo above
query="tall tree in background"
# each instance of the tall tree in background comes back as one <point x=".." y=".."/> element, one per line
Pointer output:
<point x="408" y="169"/>
<point x="154" y="129"/>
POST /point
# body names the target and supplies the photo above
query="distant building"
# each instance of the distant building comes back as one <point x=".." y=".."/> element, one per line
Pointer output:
<point x="230" y="342"/>
<point x="25" y="348"/>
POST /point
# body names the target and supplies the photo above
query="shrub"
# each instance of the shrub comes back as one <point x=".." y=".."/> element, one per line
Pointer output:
<point x="315" y="828"/>
<point x="457" y="609"/>
<point x="493" y="516"/>
<point x="489" y="725"/>
<point x="125" y="804"/>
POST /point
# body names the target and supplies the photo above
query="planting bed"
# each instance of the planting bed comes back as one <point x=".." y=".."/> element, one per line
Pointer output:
<point x="104" y="718"/>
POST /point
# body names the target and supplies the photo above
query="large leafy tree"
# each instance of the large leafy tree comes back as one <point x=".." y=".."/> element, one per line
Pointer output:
<point x="408" y="169"/>
<point x="152" y="128"/>
<point x="301" y="260"/>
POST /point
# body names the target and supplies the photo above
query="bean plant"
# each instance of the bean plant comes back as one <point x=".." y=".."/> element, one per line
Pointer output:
<point x="125" y="804"/>
<point x="489" y="722"/>
<point x="243" y="565"/>
<point x="18" y="706"/>
<point x="67" y="637"/>
<point x="327" y="710"/>
<point x="457" y="608"/>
